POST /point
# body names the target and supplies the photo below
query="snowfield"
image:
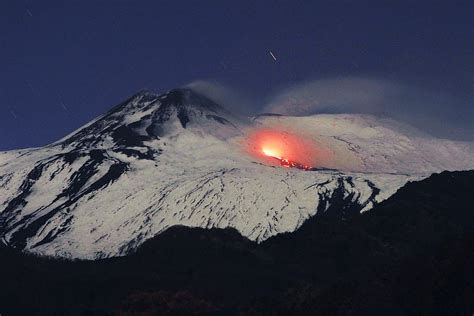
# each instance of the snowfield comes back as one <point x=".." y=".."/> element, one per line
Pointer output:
<point x="180" y="159"/>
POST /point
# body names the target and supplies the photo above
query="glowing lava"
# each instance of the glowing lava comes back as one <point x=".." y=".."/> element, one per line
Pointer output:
<point x="283" y="161"/>
<point x="271" y="153"/>
<point x="289" y="149"/>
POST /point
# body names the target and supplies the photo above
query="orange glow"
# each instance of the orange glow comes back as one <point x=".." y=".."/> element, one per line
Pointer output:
<point x="284" y="148"/>
<point x="271" y="152"/>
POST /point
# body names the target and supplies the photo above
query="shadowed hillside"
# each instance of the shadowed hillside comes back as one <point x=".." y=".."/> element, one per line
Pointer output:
<point x="412" y="254"/>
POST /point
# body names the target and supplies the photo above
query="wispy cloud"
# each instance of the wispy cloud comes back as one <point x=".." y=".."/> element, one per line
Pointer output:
<point x="226" y="96"/>
<point x="431" y="111"/>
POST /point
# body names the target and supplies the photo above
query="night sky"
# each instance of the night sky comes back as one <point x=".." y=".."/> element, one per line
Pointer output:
<point x="63" y="63"/>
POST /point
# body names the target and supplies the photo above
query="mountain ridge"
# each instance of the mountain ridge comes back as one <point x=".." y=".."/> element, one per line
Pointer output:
<point x="143" y="167"/>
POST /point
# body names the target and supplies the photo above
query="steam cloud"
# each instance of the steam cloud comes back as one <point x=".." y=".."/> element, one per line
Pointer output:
<point x="427" y="110"/>
<point x="434" y="112"/>
<point x="226" y="96"/>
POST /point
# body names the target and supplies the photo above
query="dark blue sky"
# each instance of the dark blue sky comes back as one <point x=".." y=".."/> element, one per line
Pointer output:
<point x="64" y="62"/>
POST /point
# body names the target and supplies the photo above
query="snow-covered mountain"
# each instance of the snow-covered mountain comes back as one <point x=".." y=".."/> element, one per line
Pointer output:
<point x="179" y="158"/>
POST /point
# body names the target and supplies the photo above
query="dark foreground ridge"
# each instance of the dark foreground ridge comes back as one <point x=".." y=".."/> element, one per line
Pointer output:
<point x="412" y="254"/>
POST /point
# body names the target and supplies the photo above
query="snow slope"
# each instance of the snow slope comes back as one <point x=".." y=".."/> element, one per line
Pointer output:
<point x="179" y="158"/>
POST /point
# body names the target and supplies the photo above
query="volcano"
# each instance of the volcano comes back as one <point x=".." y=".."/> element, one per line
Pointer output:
<point x="179" y="158"/>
